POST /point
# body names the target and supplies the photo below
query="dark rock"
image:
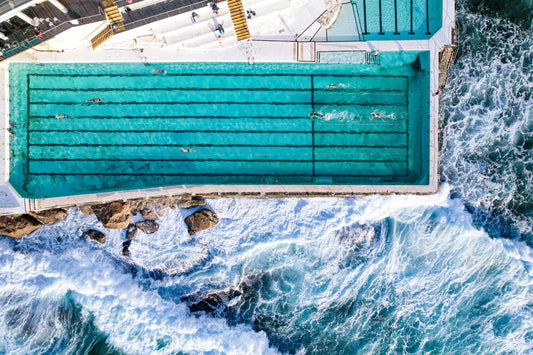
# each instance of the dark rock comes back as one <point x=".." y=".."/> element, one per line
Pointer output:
<point x="17" y="226"/>
<point x="95" y="235"/>
<point x="50" y="216"/>
<point x="201" y="220"/>
<point x="189" y="202"/>
<point x="113" y="215"/>
<point x="212" y="302"/>
<point x="131" y="232"/>
<point x="147" y="227"/>
<point x="86" y="209"/>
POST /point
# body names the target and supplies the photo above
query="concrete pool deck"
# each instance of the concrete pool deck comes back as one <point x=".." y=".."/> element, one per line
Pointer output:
<point x="68" y="48"/>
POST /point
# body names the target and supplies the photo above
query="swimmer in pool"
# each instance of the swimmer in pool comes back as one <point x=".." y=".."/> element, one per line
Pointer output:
<point x="315" y="114"/>
<point x="98" y="99"/>
<point x="187" y="150"/>
<point x="334" y="86"/>
<point x="160" y="71"/>
<point x="63" y="116"/>
<point x="380" y="115"/>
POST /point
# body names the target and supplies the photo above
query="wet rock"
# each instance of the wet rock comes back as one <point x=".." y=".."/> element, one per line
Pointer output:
<point x="86" y="209"/>
<point x="201" y="220"/>
<point x="95" y="235"/>
<point x="17" y="226"/>
<point x="113" y="215"/>
<point x="190" y="202"/>
<point x="212" y="302"/>
<point x="131" y="232"/>
<point x="147" y="227"/>
<point x="152" y="209"/>
<point x="126" y="247"/>
<point x="50" y="216"/>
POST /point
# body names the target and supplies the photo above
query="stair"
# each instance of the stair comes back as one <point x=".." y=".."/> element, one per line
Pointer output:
<point x="446" y="58"/>
<point x="113" y="14"/>
<point x="239" y="19"/>
<point x="115" y="20"/>
<point x="103" y="36"/>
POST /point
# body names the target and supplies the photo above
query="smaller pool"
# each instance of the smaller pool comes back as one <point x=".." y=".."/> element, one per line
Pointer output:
<point x="374" y="20"/>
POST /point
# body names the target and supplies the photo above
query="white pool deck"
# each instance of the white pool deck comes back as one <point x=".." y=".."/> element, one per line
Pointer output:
<point x="177" y="40"/>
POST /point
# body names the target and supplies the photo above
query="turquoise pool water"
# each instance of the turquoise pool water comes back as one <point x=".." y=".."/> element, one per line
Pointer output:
<point x="374" y="20"/>
<point x="247" y="124"/>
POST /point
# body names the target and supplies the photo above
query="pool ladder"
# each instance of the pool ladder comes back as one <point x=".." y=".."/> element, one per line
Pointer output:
<point x="239" y="19"/>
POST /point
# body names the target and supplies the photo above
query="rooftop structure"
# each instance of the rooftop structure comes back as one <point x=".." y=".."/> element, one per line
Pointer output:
<point x="277" y="98"/>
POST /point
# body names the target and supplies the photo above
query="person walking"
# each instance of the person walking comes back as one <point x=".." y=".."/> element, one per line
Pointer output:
<point x="194" y="17"/>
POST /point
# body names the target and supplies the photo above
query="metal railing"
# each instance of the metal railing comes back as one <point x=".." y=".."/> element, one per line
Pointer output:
<point x="6" y="6"/>
<point x="164" y="15"/>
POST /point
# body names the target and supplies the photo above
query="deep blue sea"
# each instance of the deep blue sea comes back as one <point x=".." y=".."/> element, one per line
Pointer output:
<point x="450" y="273"/>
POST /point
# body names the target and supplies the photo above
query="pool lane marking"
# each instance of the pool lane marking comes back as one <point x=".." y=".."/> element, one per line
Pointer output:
<point x="313" y="120"/>
<point x="224" y="160"/>
<point x="148" y="118"/>
<point x="336" y="90"/>
<point x="216" y="174"/>
<point x="328" y="75"/>
<point x="27" y="132"/>
<point x="274" y="103"/>
<point x="216" y="131"/>
<point x="220" y="145"/>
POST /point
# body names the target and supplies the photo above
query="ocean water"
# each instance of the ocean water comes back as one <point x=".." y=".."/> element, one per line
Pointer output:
<point x="447" y="273"/>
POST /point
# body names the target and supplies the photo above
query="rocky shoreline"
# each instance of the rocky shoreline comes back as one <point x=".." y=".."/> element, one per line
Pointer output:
<point x="115" y="215"/>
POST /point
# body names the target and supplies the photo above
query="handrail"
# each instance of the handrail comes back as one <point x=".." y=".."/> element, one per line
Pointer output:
<point x="312" y="23"/>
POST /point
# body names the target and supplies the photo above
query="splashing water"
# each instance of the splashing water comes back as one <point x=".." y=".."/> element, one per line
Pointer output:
<point x="488" y="121"/>
<point x="375" y="275"/>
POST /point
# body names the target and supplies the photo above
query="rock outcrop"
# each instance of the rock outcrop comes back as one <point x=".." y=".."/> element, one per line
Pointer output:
<point x="86" y="209"/>
<point x="152" y="209"/>
<point x="113" y="215"/>
<point x="126" y="247"/>
<point x="131" y="232"/>
<point x="50" y="216"/>
<point x="95" y="235"/>
<point x="189" y="202"/>
<point x="201" y="220"/>
<point x="147" y="227"/>
<point x="17" y="226"/>
<point x="212" y="302"/>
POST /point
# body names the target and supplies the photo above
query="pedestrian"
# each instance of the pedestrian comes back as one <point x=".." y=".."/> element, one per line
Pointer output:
<point x="215" y="8"/>
<point x="220" y="39"/>
<point x="220" y="28"/>
<point x="38" y="32"/>
<point x="194" y="17"/>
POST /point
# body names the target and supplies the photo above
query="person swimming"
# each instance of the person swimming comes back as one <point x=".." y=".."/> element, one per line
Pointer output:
<point x="97" y="99"/>
<point x="160" y="71"/>
<point x="334" y="86"/>
<point x="187" y="150"/>
<point x="380" y="115"/>
<point x="315" y="114"/>
<point x="62" y="115"/>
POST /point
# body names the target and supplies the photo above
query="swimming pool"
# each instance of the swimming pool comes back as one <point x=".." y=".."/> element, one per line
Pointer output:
<point x="374" y="20"/>
<point x="245" y="124"/>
